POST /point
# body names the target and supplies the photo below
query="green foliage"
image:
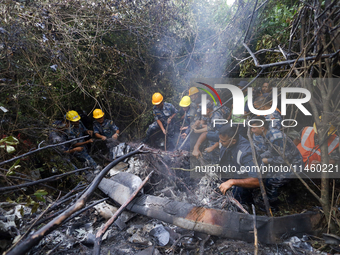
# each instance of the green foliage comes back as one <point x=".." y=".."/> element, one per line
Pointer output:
<point x="40" y="195"/>
<point x="13" y="167"/>
<point x="8" y="143"/>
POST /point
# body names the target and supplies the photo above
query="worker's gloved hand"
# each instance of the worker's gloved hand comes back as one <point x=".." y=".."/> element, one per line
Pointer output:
<point x="164" y="131"/>
<point x="90" y="141"/>
<point x="103" y="138"/>
<point x="115" y="136"/>
<point x="183" y="128"/>
<point x="183" y="135"/>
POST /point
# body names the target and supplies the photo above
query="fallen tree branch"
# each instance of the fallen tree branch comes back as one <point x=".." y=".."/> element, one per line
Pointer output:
<point x="86" y="208"/>
<point x="35" y="238"/>
<point x="30" y="180"/>
<point x="252" y="55"/>
<point x="202" y="245"/>
<point x="251" y="19"/>
<point x="103" y="229"/>
<point x="40" y="149"/>
<point x="49" y="179"/>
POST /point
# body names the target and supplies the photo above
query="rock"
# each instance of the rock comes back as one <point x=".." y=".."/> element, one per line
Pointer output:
<point x="161" y="234"/>
<point x="105" y="210"/>
<point x="137" y="239"/>
<point x="149" y="251"/>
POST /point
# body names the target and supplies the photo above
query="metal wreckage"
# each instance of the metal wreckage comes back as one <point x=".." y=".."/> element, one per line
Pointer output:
<point x="193" y="211"/>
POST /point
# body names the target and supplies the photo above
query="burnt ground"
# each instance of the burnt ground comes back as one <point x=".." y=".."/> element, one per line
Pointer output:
<point x="137" y="234"/>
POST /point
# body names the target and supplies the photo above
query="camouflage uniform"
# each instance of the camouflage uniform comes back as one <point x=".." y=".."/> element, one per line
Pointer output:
<point x="162" y="115"/>
<point x="275" y="123"/>
<point x="57" y="135"/>
<point x="83" y="156"/>
<point x="275" y="144"/>
<point x="259" y="140"/>
<point x="275" y="141"/>
<point x="107" y="128"/>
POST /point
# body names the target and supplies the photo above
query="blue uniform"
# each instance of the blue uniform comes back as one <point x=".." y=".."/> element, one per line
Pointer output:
<point x="275" y="118"/>
<point x="238" y="155"/>
<point x="162" y="115"/>
<point x="73" y="132"/>
<point x="274" y="123"/>
<point x="107" y="128"/>
<point x="273" y="146"/>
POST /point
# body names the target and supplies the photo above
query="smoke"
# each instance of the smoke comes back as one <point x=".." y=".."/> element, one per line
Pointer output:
<point x="199" y="44"/>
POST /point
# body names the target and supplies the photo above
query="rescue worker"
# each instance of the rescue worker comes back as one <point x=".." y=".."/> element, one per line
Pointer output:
<point x="274" y="119"/>
<point x="77" y="129"/>
<point x="195" y="96"/>
<point x="266" y="89"/>
<point x="189" y="114"/>
<point x="163" y="113"/>
<point x="208" y="131"/>
<point x="276" y="149"/>
<point x="104" y="128"/>
<point x="309" y="146"/>
<point x="237" y="118"/>
<point x="187" y="117"/>
<point x="236" y="153"/>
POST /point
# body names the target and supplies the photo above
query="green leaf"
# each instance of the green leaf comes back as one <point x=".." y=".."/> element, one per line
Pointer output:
<point x="10" y="140"/>
<point x="7" y="143"/>
<point x="21" y="211"/>
<point x="35" y="207"/>
<point x="40" y="193"/>
<point x="15" y="166"/>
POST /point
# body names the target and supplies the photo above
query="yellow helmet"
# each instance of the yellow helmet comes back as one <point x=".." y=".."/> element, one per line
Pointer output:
<point x="97" y="114"/>
<point x="331" y="130"/>
<point x="185" y="101"/>
<point x="72" y="116"/>
<point x="193" y="90"/>
<point x="157" y="98"/>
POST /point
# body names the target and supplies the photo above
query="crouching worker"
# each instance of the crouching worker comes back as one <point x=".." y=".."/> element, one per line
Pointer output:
<point x="311" y="143"/>
<point x="163" y="113"/>
<point x="76" y="129"/>
<point x="278" y="151"/>
<point x="236" y="155"/>
<point x="104" y="128"/>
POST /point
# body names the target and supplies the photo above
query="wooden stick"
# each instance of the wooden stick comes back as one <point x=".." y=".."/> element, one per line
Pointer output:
<point x="259" y="176"/>
<point x="180" y="131"/>
<point x="166" y="133"/>
<point x="180" y="147"/>
<point x="103" y="229"/>
<point x="49" y="179"/>
<point x="256" y="251"/>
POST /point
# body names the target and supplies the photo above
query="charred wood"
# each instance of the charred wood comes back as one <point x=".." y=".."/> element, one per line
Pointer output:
<point x="34" y="239"/>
